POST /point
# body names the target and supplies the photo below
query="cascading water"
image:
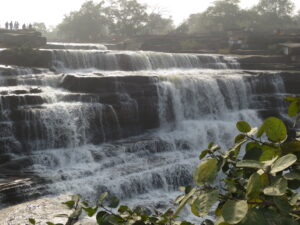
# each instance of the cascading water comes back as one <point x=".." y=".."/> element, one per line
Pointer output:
<point x="133" y="61"/>
<point x="133" y="127"/>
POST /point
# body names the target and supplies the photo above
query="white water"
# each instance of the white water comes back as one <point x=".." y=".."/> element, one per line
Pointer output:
<point x="195" y="106"/>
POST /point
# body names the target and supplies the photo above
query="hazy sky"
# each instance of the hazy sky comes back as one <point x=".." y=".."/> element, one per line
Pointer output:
<point x="52" y="11"/>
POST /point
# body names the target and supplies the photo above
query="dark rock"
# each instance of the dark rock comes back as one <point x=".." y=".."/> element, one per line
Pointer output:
<point x="26" y="57"/>
<point x="12" y="38"/>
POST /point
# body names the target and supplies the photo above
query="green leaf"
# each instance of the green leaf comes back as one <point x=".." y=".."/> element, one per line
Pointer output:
<point x="268" y="153"/>
<point x="206" y="171"/>
<point x="234" y="211"/>
<point x="291" y="147"/>
<point x="277" y="188"/>
<point x="70" y="204"/>
<point x="102" y="218"/>
<point x="50" y="223"/>
<point x="275" y="129"/>
<point x="283" y="205"/>
<point x="291" y="99"/>
<point x="90" y="211"/>
<point x="252" y="145"/>
<point x="250" y="164"/>
<point x="102" y="197"/>
<point x="254" y="217"/>
<point x="253" y="186"/>
<point x="204" y="153"/>
<point x="239" y="138"/>
<point x="293" y="109"/>
<point x="260" y="131"/>
<point x="204" y="202"/>
<point x="113" y="202"/>
<point x="243" y="126"/>
<point x="32" y="221"/>
<point x="292" y="176"/>
<point x="283" y="163"/>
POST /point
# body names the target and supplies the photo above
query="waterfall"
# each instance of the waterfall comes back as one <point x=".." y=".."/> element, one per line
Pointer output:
<point x="135" y="61"/>
<point x="61" y="45"/>
<point x="134" y="129"/>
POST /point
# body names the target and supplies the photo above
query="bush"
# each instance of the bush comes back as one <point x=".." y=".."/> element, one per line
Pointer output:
<point x="259" y="178"/>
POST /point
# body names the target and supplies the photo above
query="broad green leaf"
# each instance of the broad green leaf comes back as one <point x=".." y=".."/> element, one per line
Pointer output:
<point x="204" y="153"/>
<point x="293" y="109"/>
<point x="268" y="153"/>
<point x="32" y="221"/>
<point x="50" y="223"/>
<point x="282" y="204"/>
<point x="206" y="171"/>
<point x="283" y="163"/>
<point x="113" y="202"/>
<point x="253" y="186"/>
<point x="70" y="204"/>
<point x="123" y="208"/>
<point x="234" y="211"/>
<point x="275" y="129"/>
<point x="277" y="188"/>
<point x="292" y="176"/>
<point x="90" y="211"/>
<point x="291" y="147"/>
<point x="239" y="138"/>
<point x="291" y="99"/>
<point x="243" y="126"/>
<point x="260" y="131"/>
<point x="252" y="145"/>
<point x="204" y="202"/>
<point x="254" y="217"/>
<point x="102" y="197"/>
<point x="250" y="164"/>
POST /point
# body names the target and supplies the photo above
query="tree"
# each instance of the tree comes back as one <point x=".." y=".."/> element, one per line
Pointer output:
<point x="128" y="17"/>
<point x="221" y="16"/>
<point x="156" y="24"/>
<point x="281" y="8"/>
<point x="41" y="27"/>
<point x="88" y="24"/>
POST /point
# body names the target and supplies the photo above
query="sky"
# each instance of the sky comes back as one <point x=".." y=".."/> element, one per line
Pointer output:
<point x="51" y="12"/>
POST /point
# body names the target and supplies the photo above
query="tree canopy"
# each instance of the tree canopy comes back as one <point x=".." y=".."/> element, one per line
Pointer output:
<point x="122" y="18"/>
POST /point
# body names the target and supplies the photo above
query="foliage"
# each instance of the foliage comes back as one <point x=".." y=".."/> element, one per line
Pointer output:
<point x="257" y="182"/>
<point x="88" y="24"/>
<point x="280" y="8"/>
<point x="118" y="18"/>
<point x="225" y="15"/>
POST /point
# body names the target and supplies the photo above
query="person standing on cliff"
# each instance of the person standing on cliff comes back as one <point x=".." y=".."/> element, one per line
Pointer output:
<point x="11" y="25"/>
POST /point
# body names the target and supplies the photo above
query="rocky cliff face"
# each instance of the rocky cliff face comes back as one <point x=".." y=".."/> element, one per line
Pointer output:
<point x="15" y="38"/>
